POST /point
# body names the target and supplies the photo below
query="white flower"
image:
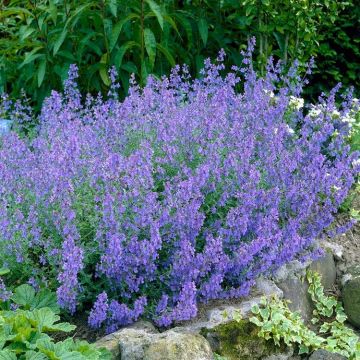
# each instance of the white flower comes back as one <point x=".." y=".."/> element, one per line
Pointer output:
<point x="296" y="103"/>
<point x="290" y="130"/>
<point x="356" y="163"/>
<point x="270" y="93"/>
<point x="347" y="119"/>
<point x="335" y="114"/>
<point x="314" y="112"/>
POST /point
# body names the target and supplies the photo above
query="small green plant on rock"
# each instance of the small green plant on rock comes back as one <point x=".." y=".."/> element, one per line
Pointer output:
<point x="278" y="323"/>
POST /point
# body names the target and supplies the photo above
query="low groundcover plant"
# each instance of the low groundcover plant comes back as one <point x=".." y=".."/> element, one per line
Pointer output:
<point x="184" y="192"/>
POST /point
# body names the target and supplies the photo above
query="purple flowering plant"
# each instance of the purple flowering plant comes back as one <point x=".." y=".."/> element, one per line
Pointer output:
<point x="184" y="192"/>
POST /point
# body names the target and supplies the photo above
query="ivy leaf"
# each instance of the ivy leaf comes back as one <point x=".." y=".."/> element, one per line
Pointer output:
<point x="155" y="8"/>
<point x="150" y="45"/>
<point x="203" y="30"/>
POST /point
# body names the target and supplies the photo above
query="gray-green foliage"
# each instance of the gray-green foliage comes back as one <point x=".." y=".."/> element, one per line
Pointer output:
<point x="277" y="322"/>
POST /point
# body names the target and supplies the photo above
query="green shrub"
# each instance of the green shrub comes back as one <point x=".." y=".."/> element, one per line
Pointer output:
<point x="26" y="320"/>
<point x="41" y="38"/>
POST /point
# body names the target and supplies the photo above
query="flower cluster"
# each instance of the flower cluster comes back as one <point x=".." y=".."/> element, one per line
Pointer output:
<point x="184" y="192"/>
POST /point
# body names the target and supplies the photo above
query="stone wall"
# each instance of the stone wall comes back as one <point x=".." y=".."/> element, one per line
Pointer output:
<point x="215" y="331"/>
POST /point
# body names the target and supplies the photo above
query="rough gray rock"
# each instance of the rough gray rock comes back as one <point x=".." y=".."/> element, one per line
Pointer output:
<point x="290" y="279"/>
<point x="296" y="290"/>
<point x="225" y="313"/>
<point x="326" y="267"/>
<point x="172" y="345"/>
<point x="138" y="330"/>
<point x="336" y="249"/>
<point x="325" y="355"/>
<point x="139" y="343"/>
<point x="351" y="295"/>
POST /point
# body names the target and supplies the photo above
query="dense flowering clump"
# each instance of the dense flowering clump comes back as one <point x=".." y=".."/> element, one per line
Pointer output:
<point x="184" y="192"/>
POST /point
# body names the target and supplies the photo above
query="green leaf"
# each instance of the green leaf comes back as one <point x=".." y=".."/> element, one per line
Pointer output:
<point x="122" y="51"/>
<point x="59" y="41"/>
<point x="167" y="54"/>
<point x="45" y="298"/>
<point x="4" y="271"/>
<point x="203" y="30"/>
<point x="113" y="7"/>
<point x="31" y="56"/>
<point x="33" y="355"/>
<point x="41" y="72"/>
<point x="24" y="295"/>
<point x="46" y="321"/>
<point x="7" y="355"/>
<point x="117" y="30"/>
<point x="155" y="8"/>
<point x="103" y="71"/>
<point x="53" y="11"/>
<point x="150" y="45"/>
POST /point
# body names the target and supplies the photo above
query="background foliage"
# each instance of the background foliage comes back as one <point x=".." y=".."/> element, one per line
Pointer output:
<point x="41" y="38"/>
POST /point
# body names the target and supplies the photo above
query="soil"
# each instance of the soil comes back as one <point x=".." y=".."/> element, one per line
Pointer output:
<point x="350" y="243"/>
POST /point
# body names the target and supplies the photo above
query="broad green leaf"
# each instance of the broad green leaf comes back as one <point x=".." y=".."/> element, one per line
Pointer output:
<point x="167" y="54"/>
<point x="24" y="295"/>
<point x="203" y="30"/>
<point x="150" y="45"/>
<point x="104" y="75"/>
<point x="144" y="72"/>
<point x="25" y="32"/>
<point x="41" y="71"/>
<point x="33" y="355"/>
<point x="46" y="320"/>
<point x="185" y="23"/>
<point x="53" y="11"/>
<point x="122" y="51"/>
<point x="113" y="7"/>
<point x="72" y="19"/>
<point x="59" y="41"/>
<point x="7" y="355"/>
<point x="45" y="298"/>
<point x="117" y="30"/>
<point x="4" y="271"/>
<point x="155" y="8"/>
<point x="31" y="56"/>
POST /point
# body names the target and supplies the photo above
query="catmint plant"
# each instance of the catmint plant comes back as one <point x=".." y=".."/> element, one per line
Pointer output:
<point x="184" y="192"/>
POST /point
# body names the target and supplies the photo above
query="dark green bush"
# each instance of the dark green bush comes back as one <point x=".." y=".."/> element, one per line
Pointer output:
<point x="39" y="39"/>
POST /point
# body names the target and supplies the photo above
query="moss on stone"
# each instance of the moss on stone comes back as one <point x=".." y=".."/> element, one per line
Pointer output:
<point x="238" y="340"/>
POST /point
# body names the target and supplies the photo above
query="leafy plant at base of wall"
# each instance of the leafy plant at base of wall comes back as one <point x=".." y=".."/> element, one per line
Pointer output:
<point x="277" y="322"/>
<point x="27" y="318"/>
